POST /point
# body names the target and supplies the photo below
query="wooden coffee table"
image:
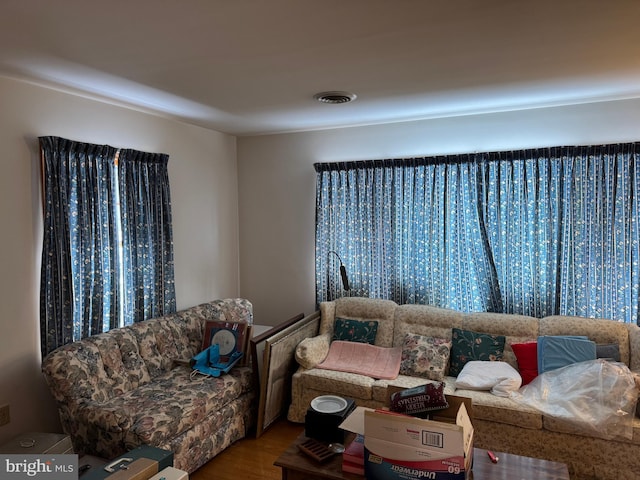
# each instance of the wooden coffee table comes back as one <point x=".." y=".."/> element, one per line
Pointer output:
<point x="298" y="466"/>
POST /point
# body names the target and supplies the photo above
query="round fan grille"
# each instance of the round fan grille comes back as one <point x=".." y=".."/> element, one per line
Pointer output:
<point x="335" y="97"/>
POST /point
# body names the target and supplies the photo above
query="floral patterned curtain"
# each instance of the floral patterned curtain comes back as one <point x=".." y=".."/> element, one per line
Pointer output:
<point x="81" y="290"/>
<point x="149" y="287"/>
<point x="534" y="232"/>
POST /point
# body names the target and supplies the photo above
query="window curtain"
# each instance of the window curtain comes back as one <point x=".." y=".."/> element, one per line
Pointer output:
<point x="149" y="288"/>
<point x="87" y="252"/>
<point x="533" y="232"/>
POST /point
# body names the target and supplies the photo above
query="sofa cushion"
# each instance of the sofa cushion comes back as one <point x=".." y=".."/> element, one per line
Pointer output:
<point x="485" y="405"/>
<point x="426" y="357"/>
<point x="121" y="359"/>
<point x="467" y="345"/>
<point x="380" y="388"/>
<point x="559" y="425"/>
<point x="147" y="335"/>
<point x="515" y="328"/>
<point x="349" y="330"/>
<point x="562" y="426"/>
<point x="343" y="384"/>
<point x="501" y="409"/>
<point x="363" y="309"/>
<point x="634" y="346"/>
<point x="190" y="330"/>
<point x="598" y="330"/>
<point x="424" y="320"/>
<point x="175" y="401"/>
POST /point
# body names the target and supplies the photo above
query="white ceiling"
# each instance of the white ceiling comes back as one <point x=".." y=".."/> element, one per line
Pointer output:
<point x="249" y="67"/>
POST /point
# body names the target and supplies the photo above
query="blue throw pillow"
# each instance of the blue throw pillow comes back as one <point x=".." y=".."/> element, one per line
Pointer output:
<point x="557" y="351"/>
<point x="363" y="331"/>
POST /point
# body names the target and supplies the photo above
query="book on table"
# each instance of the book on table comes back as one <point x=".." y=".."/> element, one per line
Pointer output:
<point x="353" y="456"/>
<point x="352" y="468"/>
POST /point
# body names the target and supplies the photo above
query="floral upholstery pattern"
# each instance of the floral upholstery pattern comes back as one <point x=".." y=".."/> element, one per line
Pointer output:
<point x="312" y="351"/>
<point x="130" y="386"/>
<point x="425" y="356"/>
<point x="362" y="309"/>
<point x="634" y="346"/>
<point x="608" y="332"/>
<point x="424" y="320"/>
<point x="500" y="423"/>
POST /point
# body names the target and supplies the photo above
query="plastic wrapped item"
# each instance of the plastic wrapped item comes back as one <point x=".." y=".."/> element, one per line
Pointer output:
<point x="597" y="397"/>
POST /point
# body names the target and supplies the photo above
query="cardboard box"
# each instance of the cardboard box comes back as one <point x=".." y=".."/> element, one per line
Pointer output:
<point x="154" y="461"/>
<point x="400" y="447"/>
<point x="171" y="473"/>
<point x="140" y="469"/>
<point x="38" y="443"/>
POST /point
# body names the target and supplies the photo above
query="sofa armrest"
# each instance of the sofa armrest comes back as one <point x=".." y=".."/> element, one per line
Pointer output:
<point x="312" y="351"/>
<point x="107" y="418"/>
<point x="634" y="346"/>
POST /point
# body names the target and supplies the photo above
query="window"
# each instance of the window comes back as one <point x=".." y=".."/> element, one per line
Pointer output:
<point x="107" y="257"/>
<point x="534" y="232"/>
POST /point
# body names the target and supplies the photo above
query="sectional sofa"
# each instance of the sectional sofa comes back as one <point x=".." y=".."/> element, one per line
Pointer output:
<point x="133" y="386"/>
<point x="501" y="423"/>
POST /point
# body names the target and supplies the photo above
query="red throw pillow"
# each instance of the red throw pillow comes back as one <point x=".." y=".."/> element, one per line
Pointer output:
<point x="527" y="356"/>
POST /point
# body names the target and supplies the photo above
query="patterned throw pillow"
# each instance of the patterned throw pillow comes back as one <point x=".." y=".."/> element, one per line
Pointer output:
<point x="425" y="356"/>
<point x="363" y="331"/>
<point x="467" y="345"/>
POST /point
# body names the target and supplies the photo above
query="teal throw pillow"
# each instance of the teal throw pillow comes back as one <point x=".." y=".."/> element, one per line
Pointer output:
<point x="362" y="331"/>
<point x="467" y="345"/>
<point x="557" y="351"/>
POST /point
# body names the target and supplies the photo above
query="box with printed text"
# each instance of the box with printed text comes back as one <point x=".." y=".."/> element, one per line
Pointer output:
<point x="401" y="447"/>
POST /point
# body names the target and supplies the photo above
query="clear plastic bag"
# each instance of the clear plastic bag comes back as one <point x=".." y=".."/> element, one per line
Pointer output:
<point x="597" y="397"/>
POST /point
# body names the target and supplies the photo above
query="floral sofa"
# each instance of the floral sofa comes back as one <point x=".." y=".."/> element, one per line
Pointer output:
<point x="133" y="386"/>
<point x="500" y="423"/>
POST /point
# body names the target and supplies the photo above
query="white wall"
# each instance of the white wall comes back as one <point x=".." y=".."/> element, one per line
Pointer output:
<point x="203" y="176"/>
<point x="277" y="181"/>
<point x="274" y="180"/>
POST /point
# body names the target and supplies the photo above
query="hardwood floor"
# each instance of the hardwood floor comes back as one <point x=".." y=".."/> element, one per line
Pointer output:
<point x="251" y="458"/>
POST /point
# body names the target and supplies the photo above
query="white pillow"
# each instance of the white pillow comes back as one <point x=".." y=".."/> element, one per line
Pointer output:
<point x="499" y="377"/>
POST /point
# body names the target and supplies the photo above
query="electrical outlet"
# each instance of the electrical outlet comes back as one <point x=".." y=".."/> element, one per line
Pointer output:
<point x="4" y="415"/>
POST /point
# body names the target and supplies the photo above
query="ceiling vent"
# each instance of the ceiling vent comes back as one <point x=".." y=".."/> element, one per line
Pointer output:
<point x="335" y="97"/>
